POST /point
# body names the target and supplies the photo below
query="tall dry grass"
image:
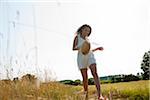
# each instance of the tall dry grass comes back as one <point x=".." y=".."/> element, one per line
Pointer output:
<point x="29" y="91"/>
<point x="26" y="90"/>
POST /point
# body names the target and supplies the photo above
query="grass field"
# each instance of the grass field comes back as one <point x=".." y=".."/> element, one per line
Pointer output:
<point x="137" y="90"/>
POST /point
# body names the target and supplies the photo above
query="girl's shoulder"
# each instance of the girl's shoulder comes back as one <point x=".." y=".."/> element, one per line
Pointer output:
<point x="78" y="36"/>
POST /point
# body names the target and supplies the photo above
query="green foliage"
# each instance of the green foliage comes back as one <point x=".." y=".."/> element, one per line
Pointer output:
<point x="105" y="81"/>
<point x="91" y="81"/>
<point x="145" y="65"/>
<point x="119" y="78"/>
<point x="130" y="77"/>
<point x="71" y="82"/>
<point x="77" y="82"/>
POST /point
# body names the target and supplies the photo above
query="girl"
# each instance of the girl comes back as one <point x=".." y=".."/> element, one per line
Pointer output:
<point x="88" y="60"/>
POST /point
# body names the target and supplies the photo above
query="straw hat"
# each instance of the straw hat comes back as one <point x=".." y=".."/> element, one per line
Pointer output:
<point x="85" y="48"/>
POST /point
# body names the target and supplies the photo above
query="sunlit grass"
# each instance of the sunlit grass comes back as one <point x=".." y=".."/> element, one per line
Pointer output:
<point x="134" y="90"/>
<point x="138" y="90"/>
<point x="29" y="91"/>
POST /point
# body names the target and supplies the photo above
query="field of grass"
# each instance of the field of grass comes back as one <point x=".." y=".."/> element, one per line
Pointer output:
<point x="30" y="91"/>
<point x="137" y="90"/>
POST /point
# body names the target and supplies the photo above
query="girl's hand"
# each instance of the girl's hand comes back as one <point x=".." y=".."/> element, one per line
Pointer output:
<point x="100" y="48"/>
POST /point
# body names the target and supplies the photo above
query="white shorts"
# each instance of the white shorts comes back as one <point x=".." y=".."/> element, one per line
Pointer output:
<point x="84" y="61"/>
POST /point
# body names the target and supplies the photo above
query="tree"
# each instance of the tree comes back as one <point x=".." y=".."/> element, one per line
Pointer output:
<point x="145" y="65"/>
<point x="130" y="77"/>
<point x="29" y="78"/>
<point x="69" y="82"/>
<point x="91" y="81"/>
<point x="77" y="82"/>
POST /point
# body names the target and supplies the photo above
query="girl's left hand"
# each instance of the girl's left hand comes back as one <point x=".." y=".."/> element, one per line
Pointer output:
<point x="100" y="48"/>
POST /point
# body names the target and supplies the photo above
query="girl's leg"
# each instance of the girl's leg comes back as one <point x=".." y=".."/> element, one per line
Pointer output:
<point x="96" y="79"/>
<point x="85" y="79"/>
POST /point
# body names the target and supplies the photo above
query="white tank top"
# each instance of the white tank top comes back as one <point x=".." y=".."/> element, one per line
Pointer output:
<point x="80" y="41"/>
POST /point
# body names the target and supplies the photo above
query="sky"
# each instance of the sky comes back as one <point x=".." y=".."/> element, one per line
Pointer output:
<point x="37" y="36"/>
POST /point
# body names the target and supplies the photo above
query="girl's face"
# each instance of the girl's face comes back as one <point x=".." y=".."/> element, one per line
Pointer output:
<point x="85" y="31"/>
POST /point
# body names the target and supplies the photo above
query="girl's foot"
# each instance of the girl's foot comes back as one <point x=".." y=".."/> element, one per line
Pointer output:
<point x="85" y="92"/>
<point x="86" y="95"/>
<point x="101" y="98"/>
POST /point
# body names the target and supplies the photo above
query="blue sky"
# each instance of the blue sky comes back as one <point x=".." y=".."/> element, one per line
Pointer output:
<point x="121" y="27"/>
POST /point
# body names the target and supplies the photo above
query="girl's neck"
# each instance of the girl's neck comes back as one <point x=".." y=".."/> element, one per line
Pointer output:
<point x="82" y="37"/>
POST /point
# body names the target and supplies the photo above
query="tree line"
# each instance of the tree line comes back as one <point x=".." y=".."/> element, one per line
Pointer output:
<point x="144" y="75"/>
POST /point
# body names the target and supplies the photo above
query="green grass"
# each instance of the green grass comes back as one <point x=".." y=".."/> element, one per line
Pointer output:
<point x="130" y="90"/>
<point x="137" y="90"/>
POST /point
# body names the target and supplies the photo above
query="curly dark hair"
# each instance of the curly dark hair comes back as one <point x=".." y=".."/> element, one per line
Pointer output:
<point x="83" y="26"/>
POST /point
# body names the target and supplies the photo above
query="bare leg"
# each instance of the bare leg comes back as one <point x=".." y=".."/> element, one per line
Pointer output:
<point x="85" y="79"/>
<point x="96" y="79"/>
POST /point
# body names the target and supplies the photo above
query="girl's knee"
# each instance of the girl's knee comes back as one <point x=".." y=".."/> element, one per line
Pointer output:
<point x="93" y="69"/>
<point x="92" y="66"/>
<point x="94" y="74"/>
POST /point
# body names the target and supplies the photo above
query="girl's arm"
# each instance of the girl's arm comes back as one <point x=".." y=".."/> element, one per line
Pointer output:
<point x="99" y="48"/>
<point x="75" y="42"/>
